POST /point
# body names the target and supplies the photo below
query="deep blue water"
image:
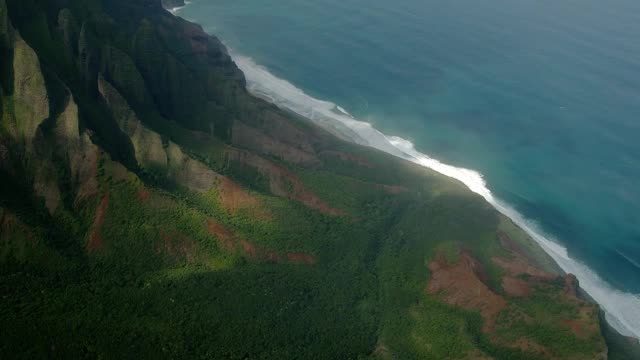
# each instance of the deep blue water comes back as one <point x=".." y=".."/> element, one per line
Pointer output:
<point x="541" y="97"/>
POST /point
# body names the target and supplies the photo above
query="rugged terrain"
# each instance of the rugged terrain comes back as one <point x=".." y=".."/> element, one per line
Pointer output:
<point x="151" y="207"/>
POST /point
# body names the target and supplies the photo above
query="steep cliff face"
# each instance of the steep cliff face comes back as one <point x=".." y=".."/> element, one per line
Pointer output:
<point x="164" y="212"/>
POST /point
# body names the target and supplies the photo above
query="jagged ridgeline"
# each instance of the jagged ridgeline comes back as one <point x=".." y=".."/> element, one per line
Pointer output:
<point x="150" y="207"/>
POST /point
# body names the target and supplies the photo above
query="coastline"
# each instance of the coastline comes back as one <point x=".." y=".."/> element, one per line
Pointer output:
<point x="617" y="306"/>
<point x="174" y="5"/>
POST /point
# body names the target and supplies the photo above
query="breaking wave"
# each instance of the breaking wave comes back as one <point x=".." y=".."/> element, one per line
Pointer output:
<point x="175" y="10"/>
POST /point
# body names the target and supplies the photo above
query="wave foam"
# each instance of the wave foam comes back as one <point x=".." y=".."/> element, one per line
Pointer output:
<point x="622" y="309"/>
<point x="175" y="10"/>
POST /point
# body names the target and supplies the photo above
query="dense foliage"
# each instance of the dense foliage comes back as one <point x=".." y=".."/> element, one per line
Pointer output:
<point x="298" y="245"/>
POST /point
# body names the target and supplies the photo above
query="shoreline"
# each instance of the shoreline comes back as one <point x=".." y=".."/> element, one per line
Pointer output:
<point x="340" y="123"/>
<point x="173" y="10"/>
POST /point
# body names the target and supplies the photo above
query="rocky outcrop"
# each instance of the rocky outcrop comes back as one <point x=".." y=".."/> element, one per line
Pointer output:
<point x="188" y="171"/>
<point x="186" y="72"/>
<point x="151" y="152"/>
<point x="84" y="168"/>
<point x="148" y="146"/>
<point x="31" y="101"/>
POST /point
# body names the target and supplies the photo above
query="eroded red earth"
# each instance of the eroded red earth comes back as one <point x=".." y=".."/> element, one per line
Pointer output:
<point x="95" y="242"/>
<point x="231" y="242"/>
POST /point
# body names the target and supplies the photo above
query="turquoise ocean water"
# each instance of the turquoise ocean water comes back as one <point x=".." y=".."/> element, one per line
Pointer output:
<point x="541" y="99"/>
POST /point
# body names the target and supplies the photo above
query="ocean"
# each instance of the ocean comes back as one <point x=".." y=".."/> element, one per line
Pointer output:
<point x="535" y="105"/>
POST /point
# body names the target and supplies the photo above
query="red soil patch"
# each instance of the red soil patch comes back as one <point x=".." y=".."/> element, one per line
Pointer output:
<point x="577" y="327"/>
<point x="224" y="236"/>
<point x="571" y="285"/>
<point x="84" y="165"/>
<point x="300" y="193"/>
<point x="143" y="195"/>
<point x="521" y="262"/>
<point x="230" y="242"/>
<point x="249" y="248"/>
<point x="95" y="240"/>
<point x="359" y="160"/>
<point x="301" y="258"/>
<point x="283" y="182"/>
<point x="256" y="252"/>
<point x="525" y="263"/>
<point x="460" y="285"/>
<point x="273" y="257"/>
<point x="233" y="197"/>
<point x="515" y="287"/>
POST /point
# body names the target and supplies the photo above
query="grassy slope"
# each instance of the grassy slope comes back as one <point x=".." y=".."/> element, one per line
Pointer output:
<point x="136" y="269"/>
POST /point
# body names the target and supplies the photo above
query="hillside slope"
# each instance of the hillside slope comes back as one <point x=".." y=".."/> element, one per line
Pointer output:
<point x="151" y="207"/>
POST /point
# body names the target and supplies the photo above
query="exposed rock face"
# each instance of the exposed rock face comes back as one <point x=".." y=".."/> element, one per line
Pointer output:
<point x="234" y="198"/>
<point x="84" y="168"/>
<point x="514" y="286"/>
<point x="149" y="150"/>
<point x="190" y="76"/>
<point x="66" y="131"/>
<point x="95" y="243"/>
<point x="571" y="285"/>
<point x="31" y="101"/>
<point x="188" y="171"/>
<point x="524" y="288"/>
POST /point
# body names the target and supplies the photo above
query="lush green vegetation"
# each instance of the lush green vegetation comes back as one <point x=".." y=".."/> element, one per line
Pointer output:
<point x="134" y="263"/>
